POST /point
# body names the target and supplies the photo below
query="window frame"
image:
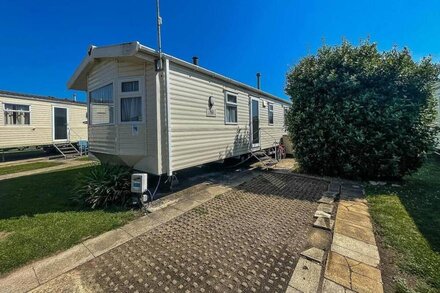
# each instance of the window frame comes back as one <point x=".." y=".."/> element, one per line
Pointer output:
<point x="269" y="104"/>
<point x="133" y="94"/>
<point x="228" y="103"/>
<point x="89" y="103"/>
<point x="120" y="110"/>
<point x="17" y="125"/>
<point x="127" y="81"/>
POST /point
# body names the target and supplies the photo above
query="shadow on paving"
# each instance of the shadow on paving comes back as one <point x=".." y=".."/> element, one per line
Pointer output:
<point x="274" y="184"/>
<point x="215" y="172"/>
<point x="247" y="239"/>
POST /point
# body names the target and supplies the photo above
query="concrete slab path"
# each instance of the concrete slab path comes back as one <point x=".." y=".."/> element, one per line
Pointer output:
<point x="353" y="262"/>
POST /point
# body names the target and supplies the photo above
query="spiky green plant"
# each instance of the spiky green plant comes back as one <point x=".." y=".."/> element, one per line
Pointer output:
<point x="103" y="186"/>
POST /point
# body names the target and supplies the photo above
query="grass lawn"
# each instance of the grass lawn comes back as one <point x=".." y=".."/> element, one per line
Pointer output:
<point x="408" y="222"/>
<point x="27" y="167"/>
<point x="37" y="217"/>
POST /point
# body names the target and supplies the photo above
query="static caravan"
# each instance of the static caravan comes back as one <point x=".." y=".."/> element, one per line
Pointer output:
<point x="159" y="114"/>
<point x="30" y="120"/>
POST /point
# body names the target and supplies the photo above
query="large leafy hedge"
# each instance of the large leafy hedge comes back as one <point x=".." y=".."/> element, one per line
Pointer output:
<point x="358" y="112"/>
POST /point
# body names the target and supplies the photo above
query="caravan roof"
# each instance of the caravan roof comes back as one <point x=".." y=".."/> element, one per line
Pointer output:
<point x="9" y="94"/>
<point x="135" y="49"/>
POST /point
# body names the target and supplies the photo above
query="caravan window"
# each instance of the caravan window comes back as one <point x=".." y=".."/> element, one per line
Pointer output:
<point x="231" y="109"/>
<point x="17" y="114"/>
<point x="270" y="113"/>
<point x="131" y="109"/>
<point x="130" y="98"/>
<point x="101" y="105"/>
<point x="130" y="86"/>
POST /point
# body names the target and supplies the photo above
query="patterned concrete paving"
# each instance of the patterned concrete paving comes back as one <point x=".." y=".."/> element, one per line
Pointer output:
<point x="245" y="240"/>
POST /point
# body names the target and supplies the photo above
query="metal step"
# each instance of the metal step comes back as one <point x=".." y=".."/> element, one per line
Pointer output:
<point x="65" y="147"/>
<point x="264" y="159"/>
<point x="67" y="150"/>
<point x="70" y="152"/>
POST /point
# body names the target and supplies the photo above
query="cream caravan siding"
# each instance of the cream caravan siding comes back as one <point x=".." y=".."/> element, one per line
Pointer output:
<point x="135" y="142"/>
<point x="271" y="134"/>
<point x="39" y="132"/>
<point x="153" y="118"/>
<point x="198" y="139"/>
<point x="77" y="122"/>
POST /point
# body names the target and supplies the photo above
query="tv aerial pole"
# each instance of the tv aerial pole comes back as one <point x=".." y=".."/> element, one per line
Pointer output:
<point x="159" y="63"/>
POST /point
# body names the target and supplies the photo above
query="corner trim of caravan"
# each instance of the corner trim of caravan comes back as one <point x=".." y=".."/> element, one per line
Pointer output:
<point x="168" y="120"/>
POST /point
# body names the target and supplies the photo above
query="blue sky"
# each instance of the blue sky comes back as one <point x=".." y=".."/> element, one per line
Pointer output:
<point x="42" y="42"/>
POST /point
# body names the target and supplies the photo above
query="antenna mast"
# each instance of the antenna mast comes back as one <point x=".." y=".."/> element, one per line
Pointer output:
<point x="159" y="23"/>
<point x="159" y="65"/>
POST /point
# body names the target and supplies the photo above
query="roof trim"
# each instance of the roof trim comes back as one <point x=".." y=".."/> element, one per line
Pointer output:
<point x="14" y="95"/>
<point x="79" y="78"/>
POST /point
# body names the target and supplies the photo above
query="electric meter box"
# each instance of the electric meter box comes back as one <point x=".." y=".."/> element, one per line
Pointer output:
<point x="139" y="183"/>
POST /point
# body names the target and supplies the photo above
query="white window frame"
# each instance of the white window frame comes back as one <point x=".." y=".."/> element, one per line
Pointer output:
<point x="227" y="103"/>
<point x="17" y="125"/>
<point x="123" y="80"/>
<point x="135" y="94"/>
<point x="89" y="118"/>
<point x="269" y="104"/>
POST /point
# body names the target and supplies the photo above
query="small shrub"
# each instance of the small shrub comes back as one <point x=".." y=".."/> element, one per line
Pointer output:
<point x="103" y="186"/>
<point x="357" y="112"/>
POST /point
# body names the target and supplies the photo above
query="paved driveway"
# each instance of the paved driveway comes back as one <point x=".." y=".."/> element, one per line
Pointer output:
<point x="245" y="240"/>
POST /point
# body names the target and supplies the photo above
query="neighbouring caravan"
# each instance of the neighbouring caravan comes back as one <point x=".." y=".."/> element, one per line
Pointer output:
<point x="161" y="115"/>
<point x="30" y="120"/>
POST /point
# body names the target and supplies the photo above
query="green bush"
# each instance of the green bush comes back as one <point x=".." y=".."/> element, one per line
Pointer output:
<point x="104" y="185"/>
<point x="358" y="112"/>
